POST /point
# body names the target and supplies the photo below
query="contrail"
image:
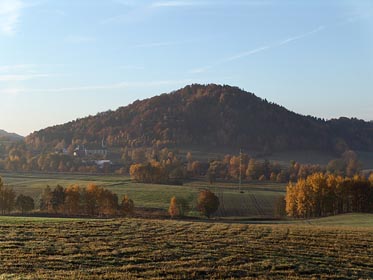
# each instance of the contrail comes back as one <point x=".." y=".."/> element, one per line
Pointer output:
<point x="258" y="50"/>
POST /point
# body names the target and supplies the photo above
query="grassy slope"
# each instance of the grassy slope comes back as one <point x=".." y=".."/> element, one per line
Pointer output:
<point x="352" y="220"/>
<point x="135" y="248"/>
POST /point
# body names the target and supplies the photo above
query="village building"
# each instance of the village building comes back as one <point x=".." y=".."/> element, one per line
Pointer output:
<point x="91" y="151"/>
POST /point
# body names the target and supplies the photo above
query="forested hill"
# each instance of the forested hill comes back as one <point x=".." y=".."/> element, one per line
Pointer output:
<point x="209" y="116"/>
<point x="9" y="136"/>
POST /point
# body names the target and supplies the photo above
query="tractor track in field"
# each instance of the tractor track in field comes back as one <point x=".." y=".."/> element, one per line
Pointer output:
<point x="222" y="211"/>
<point x="256" y="205"/>
<point x="245" y="206"/>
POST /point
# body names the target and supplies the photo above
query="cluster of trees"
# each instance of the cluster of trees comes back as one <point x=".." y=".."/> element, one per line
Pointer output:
<point x="179" y="207"/>
<point x="262" y="170"/>
<point x="207" y="204"/>
<point x="10" y="201"/>
<point x="91" y="201"/>
<point x="252" y="169"/>
<point x="73" y="200"/>
<point x="164" y="167"/>
<point x="347" y="165"/>
<point x="19" y="157"/>
<point x="327" y="194"/>
<point x="158" y="166"/>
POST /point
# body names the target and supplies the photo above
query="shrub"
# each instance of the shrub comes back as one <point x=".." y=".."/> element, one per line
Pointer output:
<point x="207" y="203"/>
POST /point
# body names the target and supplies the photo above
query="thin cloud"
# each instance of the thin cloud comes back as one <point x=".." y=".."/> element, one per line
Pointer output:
<point x="129" y="3"/>
<point x="132" y="67"/>
<point x="80" y="39"/>
<point x="176" y="4"/>
<point x="11" y="91"/>
<point x="17" y="67"/>
<point x="161" y="44"/>
<point x="140" y="10"/>
<point x="247" y="53"/>
<point x="25" y="72"/>
<point x="257" y="50"/>
<point x="120" y="85"/>
<point x="295" y="38"/>
<point x="22" y="77"/>
<point x="171" y="4"/>
<point x="10" y="12"/>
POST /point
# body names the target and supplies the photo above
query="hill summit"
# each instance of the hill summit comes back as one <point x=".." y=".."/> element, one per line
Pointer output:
<point x="213" y="116"/>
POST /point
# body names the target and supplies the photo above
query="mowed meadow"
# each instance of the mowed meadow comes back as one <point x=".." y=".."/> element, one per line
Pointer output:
<point x="240" y="242"/>
<point x="40" y="248"/>
<point x="256" y="200"/>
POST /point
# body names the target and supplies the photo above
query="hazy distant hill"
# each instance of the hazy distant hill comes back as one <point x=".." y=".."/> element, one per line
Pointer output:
<point x="211" y="116"/>
<point x="9" y="136"/>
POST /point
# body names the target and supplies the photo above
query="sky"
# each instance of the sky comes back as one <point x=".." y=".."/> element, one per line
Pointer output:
<point x="66" y="59"/>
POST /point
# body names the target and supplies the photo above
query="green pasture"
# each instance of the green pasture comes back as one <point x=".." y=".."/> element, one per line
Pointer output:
<point x="254" y="199"/>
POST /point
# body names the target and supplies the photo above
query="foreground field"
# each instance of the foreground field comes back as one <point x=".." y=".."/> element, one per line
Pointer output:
<point x="256" y="201"/>
<point x="135" y="248"/>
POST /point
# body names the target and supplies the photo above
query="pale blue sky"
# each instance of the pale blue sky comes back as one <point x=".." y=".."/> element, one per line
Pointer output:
<point x="64" y="59"/>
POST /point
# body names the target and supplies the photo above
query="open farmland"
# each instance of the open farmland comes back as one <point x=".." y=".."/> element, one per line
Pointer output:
<point x="256" y="201"/>
<point x="160" y="249"/>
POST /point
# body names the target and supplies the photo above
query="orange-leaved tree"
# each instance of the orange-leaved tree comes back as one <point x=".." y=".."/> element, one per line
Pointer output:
<point x="127" y="206"/>
<point x="207" y="203"/>
<point x="174" y="209"/>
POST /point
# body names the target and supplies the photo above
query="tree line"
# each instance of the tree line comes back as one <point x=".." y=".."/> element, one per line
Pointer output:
<point x="323" y="194"/>
<point x="10" y="201"/>
<point x="90" y="201"/>
<point x="95" y="201"/>
<point x="163" y="165"/>
<point x="73" y="201"/>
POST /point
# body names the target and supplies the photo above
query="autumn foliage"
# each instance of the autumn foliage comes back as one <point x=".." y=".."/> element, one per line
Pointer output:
<point x="9" y="200"/>
<point x="152" y="172"/>
<point x="208" y="203"/>
<point x="322" y="195"/>
<point x="127" y="206"/>
<point x="174" y="210"/>
<point x="181" y="119"/>
<point x="91" y="201"/>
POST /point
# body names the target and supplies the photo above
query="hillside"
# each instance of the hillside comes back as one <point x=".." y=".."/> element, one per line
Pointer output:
<point x="9" y="136"/>
<point x="211" y="116"/>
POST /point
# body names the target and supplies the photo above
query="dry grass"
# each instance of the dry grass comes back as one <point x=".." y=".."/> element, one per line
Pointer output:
<point x="135" y="248"/>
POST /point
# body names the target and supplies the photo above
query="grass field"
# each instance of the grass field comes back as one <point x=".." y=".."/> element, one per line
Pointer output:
<point x="256" y="201"/>
<point x="353" y="219"/>
<point x="160" y="249"/>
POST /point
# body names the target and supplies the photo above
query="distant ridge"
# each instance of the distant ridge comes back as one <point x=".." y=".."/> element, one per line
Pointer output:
<point x="212" y="116"/>
<point x="10" y="136"/>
